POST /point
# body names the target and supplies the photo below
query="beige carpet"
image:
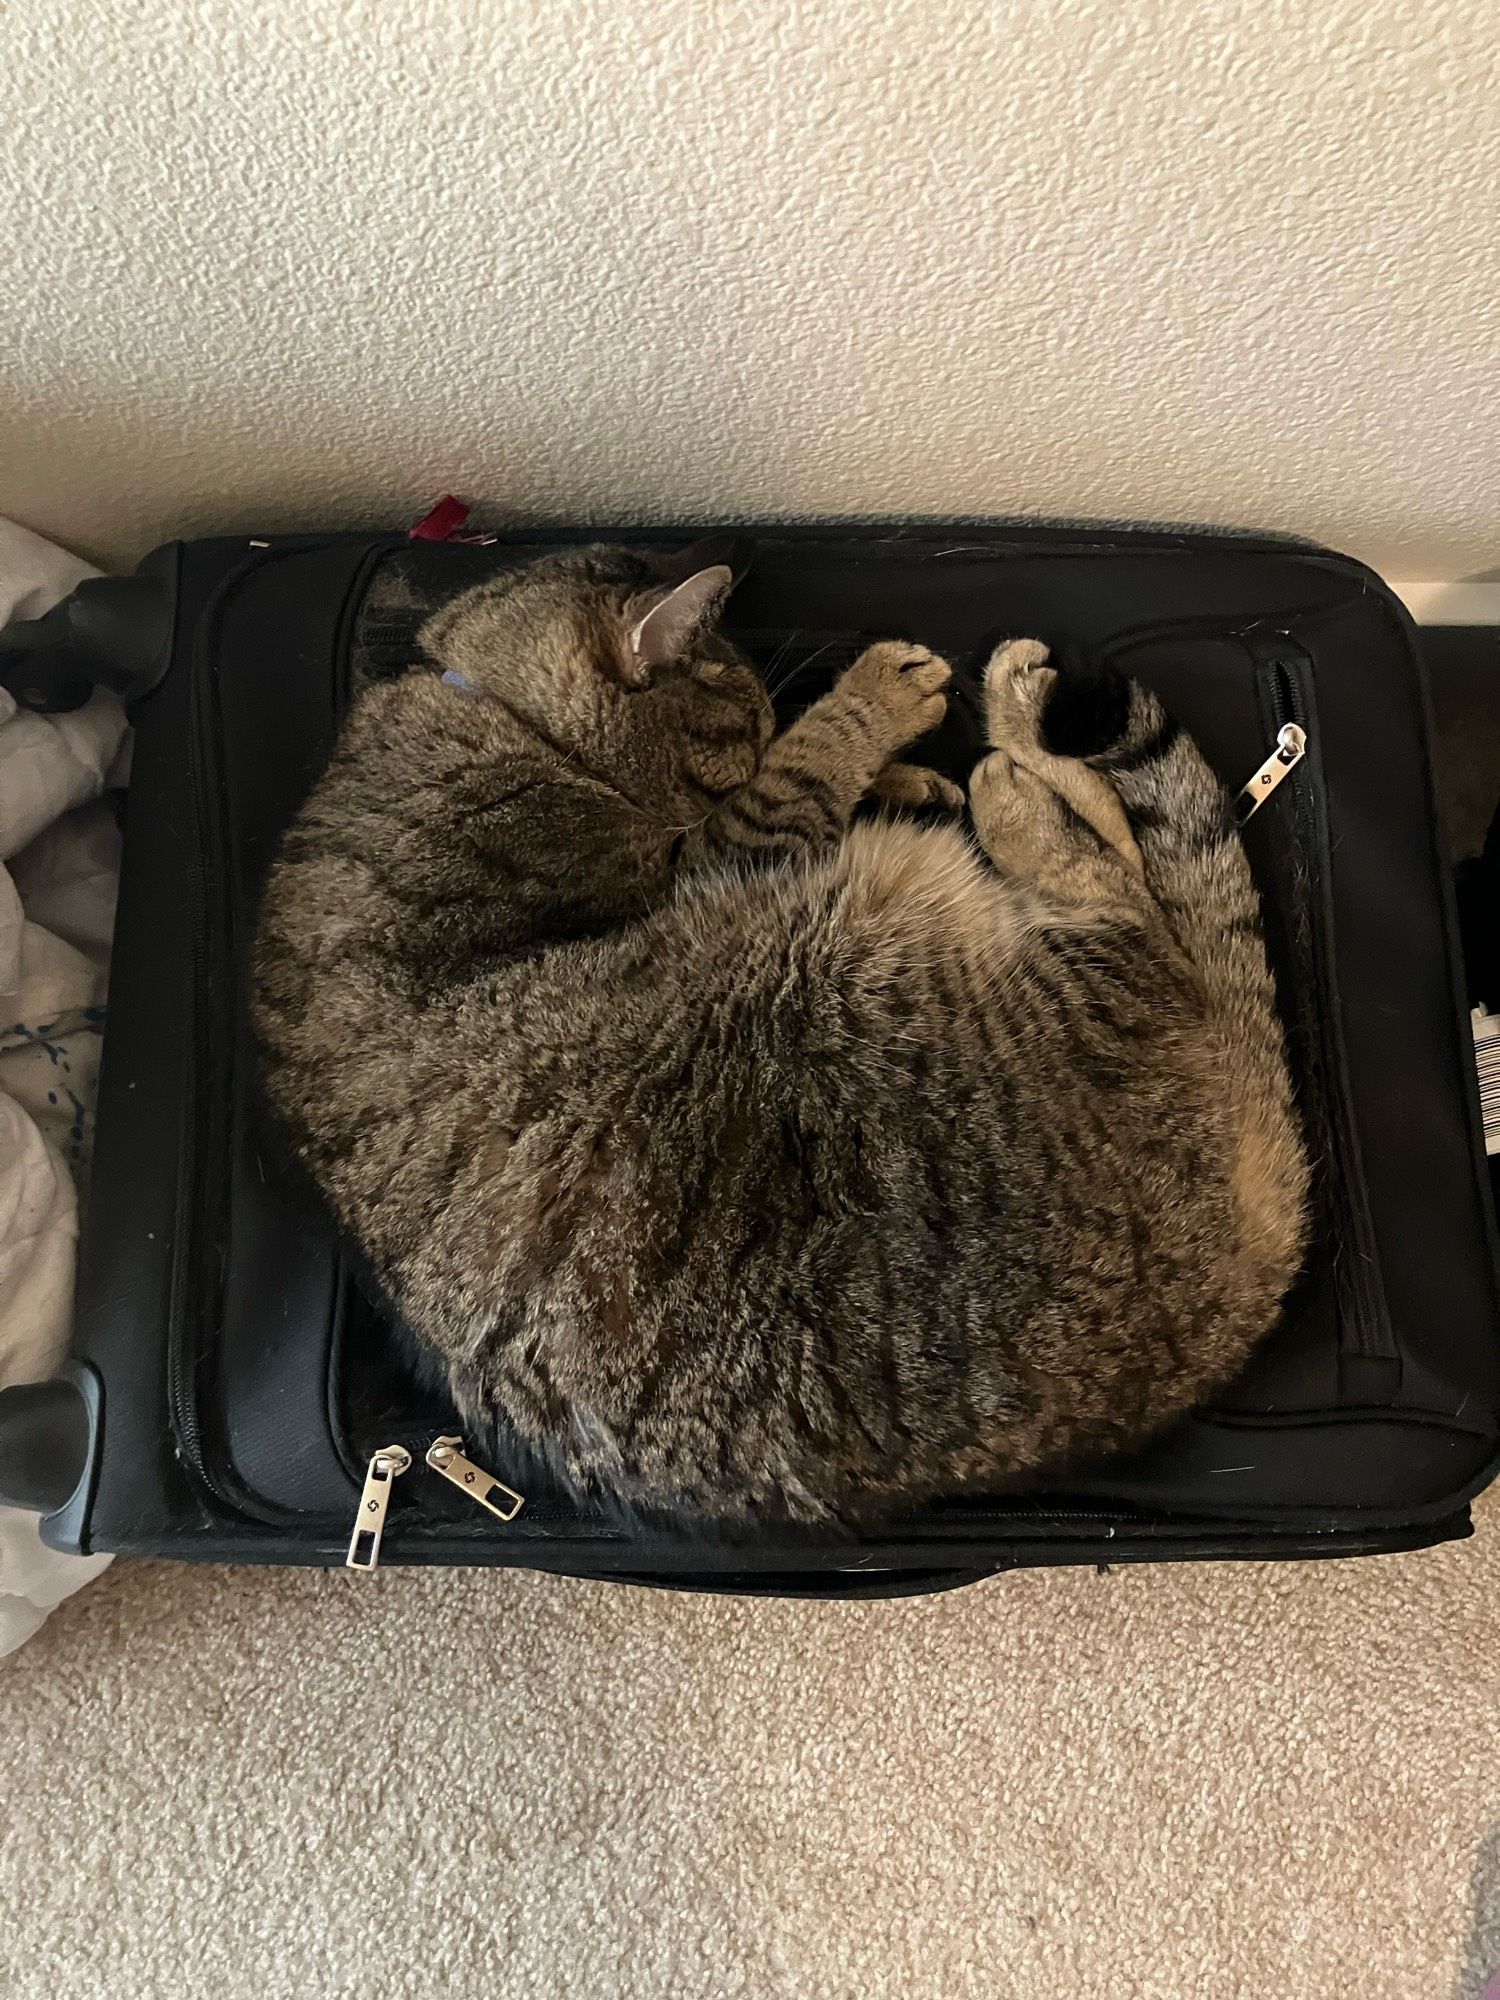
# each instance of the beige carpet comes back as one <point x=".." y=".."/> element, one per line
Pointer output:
<point x="1169" y="1784"/>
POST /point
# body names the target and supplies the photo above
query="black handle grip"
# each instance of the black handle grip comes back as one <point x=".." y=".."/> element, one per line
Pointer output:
<point x="111" y="631"/>
<point x="44" y="1443"/>
<point x="832" y="1585"/>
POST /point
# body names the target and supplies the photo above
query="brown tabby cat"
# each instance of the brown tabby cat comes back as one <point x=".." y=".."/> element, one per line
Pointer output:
<point x="756" y="1161"/>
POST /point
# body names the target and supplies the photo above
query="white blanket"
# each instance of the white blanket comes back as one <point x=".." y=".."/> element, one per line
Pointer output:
<point x="59" y="855"/>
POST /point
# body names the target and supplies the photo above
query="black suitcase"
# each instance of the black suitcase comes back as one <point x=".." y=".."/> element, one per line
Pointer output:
<point x="232" y="1379"/>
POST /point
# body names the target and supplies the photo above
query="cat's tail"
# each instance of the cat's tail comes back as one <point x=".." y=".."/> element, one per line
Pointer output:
<point x="1198" y="874"/>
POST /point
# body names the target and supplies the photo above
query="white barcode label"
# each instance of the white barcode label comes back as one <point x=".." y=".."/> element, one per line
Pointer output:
<point x="1487" y="1061"/>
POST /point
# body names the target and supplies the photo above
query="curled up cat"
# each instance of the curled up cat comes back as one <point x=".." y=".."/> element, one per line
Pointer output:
<point x="752" y="1159"/>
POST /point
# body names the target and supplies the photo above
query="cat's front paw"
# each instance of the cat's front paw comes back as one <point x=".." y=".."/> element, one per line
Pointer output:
<point x="905" y="683"/>
<point x="914" y="786"/>
<point x="720" y="768"/>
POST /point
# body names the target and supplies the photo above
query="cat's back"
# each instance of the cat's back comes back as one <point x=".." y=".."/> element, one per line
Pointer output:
<point x="360" y="868"/>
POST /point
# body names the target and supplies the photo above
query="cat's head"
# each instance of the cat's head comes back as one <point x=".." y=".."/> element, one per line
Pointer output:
<point x="593" y="644"/>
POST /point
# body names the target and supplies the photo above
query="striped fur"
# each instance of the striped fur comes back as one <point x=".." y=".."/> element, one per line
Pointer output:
<point x="753" y="1162"/>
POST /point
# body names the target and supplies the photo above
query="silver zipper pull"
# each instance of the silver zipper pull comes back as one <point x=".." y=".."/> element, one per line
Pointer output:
<point x="445" y="1455"/>
<point x="1291" y="748"/>
<point x="384" y="1468"/>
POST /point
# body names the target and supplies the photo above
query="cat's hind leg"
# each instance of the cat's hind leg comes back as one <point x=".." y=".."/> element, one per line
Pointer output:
<point x="1035" y="838"/>
<point x="1119" y="737"/>
<point x="1018" y="685"/>
<point x="1047" y="820"/>
<point x="1113" y="752"/>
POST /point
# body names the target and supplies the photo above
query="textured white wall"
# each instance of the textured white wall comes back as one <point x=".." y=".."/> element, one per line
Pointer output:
<point x="280" y="264"/>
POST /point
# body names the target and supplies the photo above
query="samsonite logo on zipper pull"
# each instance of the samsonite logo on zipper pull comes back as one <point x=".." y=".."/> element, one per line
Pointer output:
<point x="1291" y="748"/>
<point x="385" y="1467"/>
<point x="445" y="1455"/>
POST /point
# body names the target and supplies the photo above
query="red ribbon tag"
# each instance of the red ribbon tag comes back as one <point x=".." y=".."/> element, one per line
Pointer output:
<point x="440" y="523"/>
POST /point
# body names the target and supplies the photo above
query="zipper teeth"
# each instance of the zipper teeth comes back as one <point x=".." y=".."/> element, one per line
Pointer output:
<point x="182" y="1404"/>
<point x="192" y="1290"/>
<point x="1287" y="706"/>
<point x="1370" y="1336"/>
<point x="1015" y="1517"/>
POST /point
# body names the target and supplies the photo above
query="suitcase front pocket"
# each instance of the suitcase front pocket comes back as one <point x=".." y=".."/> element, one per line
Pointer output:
<point x="1235" y="692"/>
<point x="1370" y="1360"/>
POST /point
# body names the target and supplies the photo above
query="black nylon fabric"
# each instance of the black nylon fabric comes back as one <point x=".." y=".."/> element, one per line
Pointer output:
<point x="242" y="1374"/>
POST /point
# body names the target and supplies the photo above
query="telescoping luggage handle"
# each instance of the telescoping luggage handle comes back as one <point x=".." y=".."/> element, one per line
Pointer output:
<point x="116" y="632"/>
<point x="841" y="1585"/>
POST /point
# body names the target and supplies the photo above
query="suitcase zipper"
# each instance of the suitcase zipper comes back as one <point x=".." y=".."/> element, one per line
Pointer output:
<point x="1291" y="748"/>
<point x="1365" y="1332"/>
<point x="1283" y="674"/>
<point x="385" y="1468"/>
<point x="446" y="1457"/>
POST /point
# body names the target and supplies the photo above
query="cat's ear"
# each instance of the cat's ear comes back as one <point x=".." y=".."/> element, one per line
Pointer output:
<point x="661" y="622"/>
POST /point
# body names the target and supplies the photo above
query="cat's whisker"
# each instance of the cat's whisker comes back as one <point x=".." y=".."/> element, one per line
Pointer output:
<point x="791" y="679"/>
<point x="782" y="653"/>
<point x="795" y="674"/>
<point x="784" y="680"/>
